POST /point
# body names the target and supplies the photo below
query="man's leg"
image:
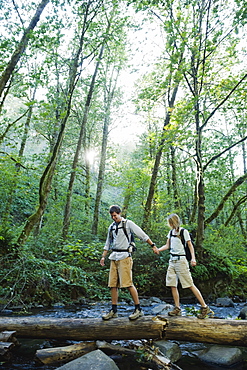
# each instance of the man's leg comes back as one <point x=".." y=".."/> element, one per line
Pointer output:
<point x="114" y="296"/>
<point x="137" y="311"/>
<point x="134" y="294"/>
<point x="113" y="283"/>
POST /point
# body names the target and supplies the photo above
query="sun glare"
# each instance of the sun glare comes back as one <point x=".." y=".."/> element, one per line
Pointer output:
<point x="90" y="156"/>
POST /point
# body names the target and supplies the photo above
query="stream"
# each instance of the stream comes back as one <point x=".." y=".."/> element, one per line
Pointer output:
<point x="23" y="357"/>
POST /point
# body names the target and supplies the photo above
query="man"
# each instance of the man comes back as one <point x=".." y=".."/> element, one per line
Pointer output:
<point x="120" y="275"/>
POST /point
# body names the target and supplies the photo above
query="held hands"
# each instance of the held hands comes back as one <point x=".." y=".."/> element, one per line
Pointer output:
<point x="156" y="250"/>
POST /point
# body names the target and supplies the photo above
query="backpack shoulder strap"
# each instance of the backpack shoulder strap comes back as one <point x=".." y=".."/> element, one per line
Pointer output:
<point x="124" y="229"/>
<point x="182" y="236"/>
<point x="110" y="233"/>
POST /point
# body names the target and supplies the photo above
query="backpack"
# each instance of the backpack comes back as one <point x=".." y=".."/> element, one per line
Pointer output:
<point x="132" y="247"/>
<point x="185" y="244"/>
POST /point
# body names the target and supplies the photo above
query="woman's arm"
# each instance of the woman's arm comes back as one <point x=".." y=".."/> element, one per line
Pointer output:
<point x="192" y="251"/>
<point x="164" y="247"/>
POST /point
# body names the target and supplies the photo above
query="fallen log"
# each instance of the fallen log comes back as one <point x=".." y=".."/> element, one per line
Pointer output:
<point x="218" y="331"/>
<point x="7" y="342"/>
<point x="153" y="355"/>
<point x="83" y="329"/>
<point x="5" y="347"/>
<point x="191" y="329"/>
<point x="69" y="353"/>
<point x="64" y="354"/>
<point x="8" y="336"/>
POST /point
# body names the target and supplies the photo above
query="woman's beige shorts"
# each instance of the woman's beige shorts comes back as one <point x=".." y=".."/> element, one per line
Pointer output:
<point x="179" y="270"/>
<point x="120" y="275"/>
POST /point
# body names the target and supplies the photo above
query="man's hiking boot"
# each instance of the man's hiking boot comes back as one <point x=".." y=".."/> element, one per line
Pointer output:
<point x="175" y="312"/>
<point x="110" y="315"/>
<point x="205" y="311"/>
<point x="137" y="313"/>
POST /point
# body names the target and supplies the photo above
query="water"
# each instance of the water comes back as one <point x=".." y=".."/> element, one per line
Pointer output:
<point x="23" y="357"/>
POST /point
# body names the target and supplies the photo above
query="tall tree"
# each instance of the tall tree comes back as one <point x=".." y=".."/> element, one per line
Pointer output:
<point x="67" y="210"/>
<point x="20" y="49"/>
<point x="47" y="176"/>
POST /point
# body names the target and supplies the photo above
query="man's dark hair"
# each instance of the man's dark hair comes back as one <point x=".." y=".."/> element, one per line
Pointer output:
<point x="116" y="209"/>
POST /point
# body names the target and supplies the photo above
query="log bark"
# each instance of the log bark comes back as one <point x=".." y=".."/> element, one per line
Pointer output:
<point x="5" y="347"/>
<point x="68" y="353"/>
<point x="157" y="358"/>
<point x="7" y="342"/>
<point x="8" y="336"/>
<point x="218" y="331"/>
<point x="64" y="354"/>
<point x="83" y="329"/>
<point x="191" y="329"/>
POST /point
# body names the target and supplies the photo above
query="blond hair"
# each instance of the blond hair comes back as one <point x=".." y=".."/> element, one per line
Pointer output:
<point x="174" y="221"/>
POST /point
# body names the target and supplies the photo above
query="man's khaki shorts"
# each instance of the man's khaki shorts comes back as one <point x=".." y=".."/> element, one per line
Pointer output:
<point x="120" y="275"/>
<point x="179" y="270"/>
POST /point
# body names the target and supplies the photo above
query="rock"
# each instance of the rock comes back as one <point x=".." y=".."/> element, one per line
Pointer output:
<point x="243" y="313"/>
<point x="162" y="308"/>
<point x="95" y="360"/>
<point x="220" y="355"/>
<point x="224" y="302"/>
<point x="169" y="349"/>
<point x="6" y="312"/>
<point x="145" y="302"/>
<point x="58" y="305"/>
<point x="156" y="300"/>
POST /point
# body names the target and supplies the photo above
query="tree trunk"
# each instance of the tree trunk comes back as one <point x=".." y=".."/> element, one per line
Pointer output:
<point x="108" y="99"/>
<point x="147" y="208"/>
<point x="46" y="178"/>
<point x="219" y="331"/>
<point x="21" y="47"/>
<point x="67" y="211"/>
<point x="176" y="197"/>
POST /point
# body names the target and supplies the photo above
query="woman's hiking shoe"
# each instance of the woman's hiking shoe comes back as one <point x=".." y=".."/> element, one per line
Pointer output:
<point x="175" y="312"/>
<point x="110" y="315"/>
<point x="137" y="313"/>
<point x="204" y="311"/>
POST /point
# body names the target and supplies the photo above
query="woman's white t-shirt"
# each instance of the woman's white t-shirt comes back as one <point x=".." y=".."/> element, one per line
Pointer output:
<point x="176" y="245"/>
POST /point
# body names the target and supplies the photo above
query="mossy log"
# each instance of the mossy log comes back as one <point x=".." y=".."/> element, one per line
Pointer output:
<point x="191" y="329"/>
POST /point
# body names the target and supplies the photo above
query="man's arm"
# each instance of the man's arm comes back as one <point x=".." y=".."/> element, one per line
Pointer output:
<point x="102" y="260"/>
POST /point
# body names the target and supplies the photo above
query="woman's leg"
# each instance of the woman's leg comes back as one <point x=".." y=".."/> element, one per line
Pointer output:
<point x="175" y="296"/>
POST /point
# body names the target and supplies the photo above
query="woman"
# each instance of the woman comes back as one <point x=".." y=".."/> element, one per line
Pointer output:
<point x="178" y="268"/>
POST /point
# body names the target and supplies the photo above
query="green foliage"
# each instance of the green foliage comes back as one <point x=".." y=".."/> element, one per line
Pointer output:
<point x="70" y="274"/>
<point x="206" y="61"/>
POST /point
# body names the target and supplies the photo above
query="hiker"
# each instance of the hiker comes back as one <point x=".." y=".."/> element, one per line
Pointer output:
<point x="178" y="268"/>
<point x="120" y="275"/>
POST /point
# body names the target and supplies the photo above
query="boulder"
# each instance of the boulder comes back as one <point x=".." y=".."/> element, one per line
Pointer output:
<point x="220" y="355"/>
<point x="156" y="300"/>
<point x="224" y="302"/>
<point x="169" y="349"/>
<point x="162" y="308"/>
<point x="243" y="313"/>
<point x="95" y="360"/>
<point x="145" y="302"/>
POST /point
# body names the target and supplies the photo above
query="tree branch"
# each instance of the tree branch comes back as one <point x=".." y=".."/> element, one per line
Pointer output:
<point x="237" y="183"/>
<point x="241" y="201"/>
<point x="223" y="152"/>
